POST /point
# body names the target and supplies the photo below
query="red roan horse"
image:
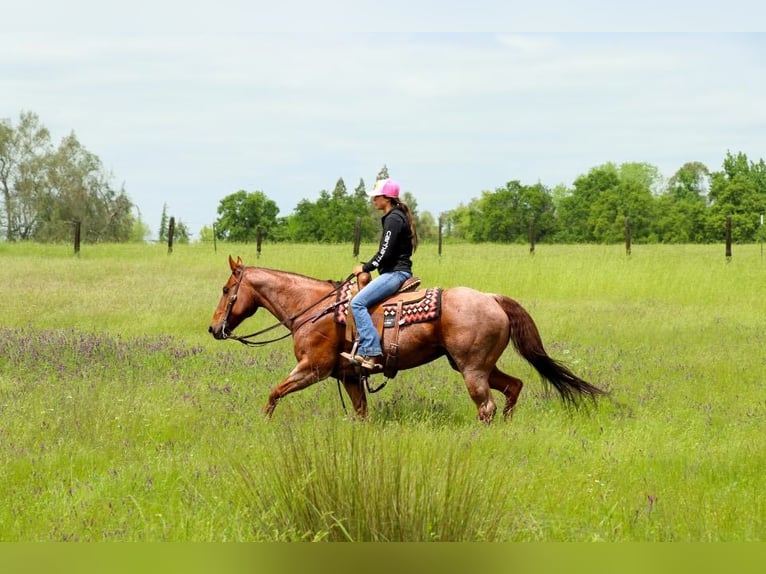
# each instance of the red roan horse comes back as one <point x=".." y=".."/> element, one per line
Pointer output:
<point x="472" y="331"/>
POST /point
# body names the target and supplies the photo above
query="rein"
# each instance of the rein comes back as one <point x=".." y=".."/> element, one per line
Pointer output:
<point x="246" y="339"/>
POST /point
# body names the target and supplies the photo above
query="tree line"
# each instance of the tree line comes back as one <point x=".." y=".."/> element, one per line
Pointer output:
<point x="332" y="218"/>
<point x="44" y="188"/>
<point x="690" y="207"/>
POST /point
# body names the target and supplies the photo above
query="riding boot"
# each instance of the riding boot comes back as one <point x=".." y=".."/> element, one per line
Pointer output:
<point x="369" y="363"/>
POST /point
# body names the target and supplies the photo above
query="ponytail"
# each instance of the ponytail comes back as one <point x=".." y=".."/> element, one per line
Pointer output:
<point x="410" y="220"/>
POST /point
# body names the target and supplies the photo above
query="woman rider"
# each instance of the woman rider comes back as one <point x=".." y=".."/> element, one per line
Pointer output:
<point x="393" y="261"/>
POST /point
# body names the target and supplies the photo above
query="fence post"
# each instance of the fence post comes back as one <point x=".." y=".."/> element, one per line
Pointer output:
<point x="627" y="236"/>
<point x="258" y="238"/>
<point x="357" y="236"/>
<point x="728" y="238"/>
<point x="532" y="236"/>
<point x="441" y="223"/>
<point x="215" y="245"/>
<point x="171" y="231"/>
<point x="77" y="227"/>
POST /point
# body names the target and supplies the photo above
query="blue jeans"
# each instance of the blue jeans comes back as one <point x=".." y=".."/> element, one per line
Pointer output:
<point x="374" y="292"/>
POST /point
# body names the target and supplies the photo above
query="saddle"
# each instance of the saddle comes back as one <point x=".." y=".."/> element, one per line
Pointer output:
<point x="405" y="307"/>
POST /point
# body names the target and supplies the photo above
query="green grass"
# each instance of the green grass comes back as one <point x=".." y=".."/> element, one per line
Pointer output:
<point x="122" y="419"/>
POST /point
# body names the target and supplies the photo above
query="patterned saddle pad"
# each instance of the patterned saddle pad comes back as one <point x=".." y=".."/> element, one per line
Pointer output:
<point x="417" y="307"/>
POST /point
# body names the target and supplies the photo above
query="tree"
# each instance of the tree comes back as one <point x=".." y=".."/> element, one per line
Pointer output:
<point x="45" y="189"/>
<point x="506" y="214"/>
<point x="574" y="211"/>
<point x="427" y="227"/>
<point x="383" y="173"/>
<point x="79" y="190"/>
<point x="629" y="199"/>
<point x="332" y="217"/>
<point x="457" y="222"/>
<point x="595" y="210"/>
<point x="23" y="153"/>
<point x="737" y="191"/>
<point x="681" y="209"/>
<point x="206" y="234"/>
<point x="241" y="214"/>
<point x="691" y="181"/>
<point x="180" y="229"/>
<point x="162" y="236"/>
<point x="141" y="231"/>
<point x="181" y="232"/>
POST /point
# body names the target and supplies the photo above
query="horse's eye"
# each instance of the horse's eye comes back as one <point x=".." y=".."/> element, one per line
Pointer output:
<point x="226" y="290"/>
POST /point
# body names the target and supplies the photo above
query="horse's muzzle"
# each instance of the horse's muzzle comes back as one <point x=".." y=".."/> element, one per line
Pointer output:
<point x="218" y="333"/>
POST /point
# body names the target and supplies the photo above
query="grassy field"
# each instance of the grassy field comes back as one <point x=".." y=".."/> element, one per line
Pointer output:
<point x="122" y="419"/>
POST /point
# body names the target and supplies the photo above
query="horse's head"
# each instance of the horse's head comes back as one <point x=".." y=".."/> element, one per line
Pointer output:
<point x="235" y="305"/>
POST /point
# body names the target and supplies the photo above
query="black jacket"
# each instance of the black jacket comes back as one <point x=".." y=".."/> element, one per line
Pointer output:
<point x="395" y="250"/>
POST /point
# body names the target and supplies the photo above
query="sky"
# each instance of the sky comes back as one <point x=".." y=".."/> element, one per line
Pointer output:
<point x="186" y="102"/>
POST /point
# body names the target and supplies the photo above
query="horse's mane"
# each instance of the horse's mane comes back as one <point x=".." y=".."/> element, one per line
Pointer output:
<point x="332" y="282"/>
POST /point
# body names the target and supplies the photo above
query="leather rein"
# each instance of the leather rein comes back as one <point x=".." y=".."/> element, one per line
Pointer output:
<point x="247" y="339"/>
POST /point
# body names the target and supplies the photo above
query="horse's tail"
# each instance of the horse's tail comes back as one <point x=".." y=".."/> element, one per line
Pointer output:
<point x="527" y="341"/>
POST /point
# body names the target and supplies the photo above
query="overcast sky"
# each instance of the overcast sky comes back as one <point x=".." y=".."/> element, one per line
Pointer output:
<point x="186" y="102"/>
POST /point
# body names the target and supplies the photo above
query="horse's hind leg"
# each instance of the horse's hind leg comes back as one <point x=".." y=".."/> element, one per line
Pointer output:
<point x="509" y="386"/>
<point x="478" y="388"/>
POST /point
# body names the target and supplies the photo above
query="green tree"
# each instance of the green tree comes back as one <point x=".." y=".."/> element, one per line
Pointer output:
<point x="141" y="231"/>
<point x="506" y="214"/>
<point x="428" y="227"/>
<point x="332" y="217"/>
<point x="162" y="235"/>
<point x="737" y="191"/>
<point x="595" y="210"/>
<point x="181" y="232"/>
<point x="79" y="189"/>
<point x="456" y="223"/>
<point x="574" y="210"/>
<point x="206" y="234"/>
<point x="383" y="173"/>
<point x="24" y="150"/>
<point x="629" y="199"/>
<point x="241" y="213"/>
<point x="681" y="209"/>
<point x="45" y="189"/>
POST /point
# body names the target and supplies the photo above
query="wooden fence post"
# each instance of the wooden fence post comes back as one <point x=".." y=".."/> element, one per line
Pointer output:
<point x="171" y="231"/>
<point x="441" y="223"/>
<point x="728" y="238"/>
<point x="532" y="236"/>
<point x="77" y="228"/>
<point x="258" y="238"/>
<point x="627" y="236"/>
<point x="357" y="236"/>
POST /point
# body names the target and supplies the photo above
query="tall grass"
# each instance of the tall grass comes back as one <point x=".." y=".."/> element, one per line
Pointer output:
<point x="122" y="419"/>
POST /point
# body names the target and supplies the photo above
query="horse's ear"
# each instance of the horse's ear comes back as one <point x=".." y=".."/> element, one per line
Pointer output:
<point x="235" y="264"/>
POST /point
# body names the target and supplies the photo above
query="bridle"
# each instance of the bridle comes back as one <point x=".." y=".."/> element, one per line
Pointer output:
<point x="246" y="339"/>
<point x="230" y="304"/>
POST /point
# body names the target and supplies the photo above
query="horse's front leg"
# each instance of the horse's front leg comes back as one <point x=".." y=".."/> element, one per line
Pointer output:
<point x="355" y="390"/>
<point x="303" y="375"/>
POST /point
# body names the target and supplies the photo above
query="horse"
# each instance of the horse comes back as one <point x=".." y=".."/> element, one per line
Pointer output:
<point x="472" y="331"/>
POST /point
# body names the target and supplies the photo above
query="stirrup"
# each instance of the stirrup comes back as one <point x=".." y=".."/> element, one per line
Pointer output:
<point x="367" y="364"/>
<point x="351" y="357"/>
